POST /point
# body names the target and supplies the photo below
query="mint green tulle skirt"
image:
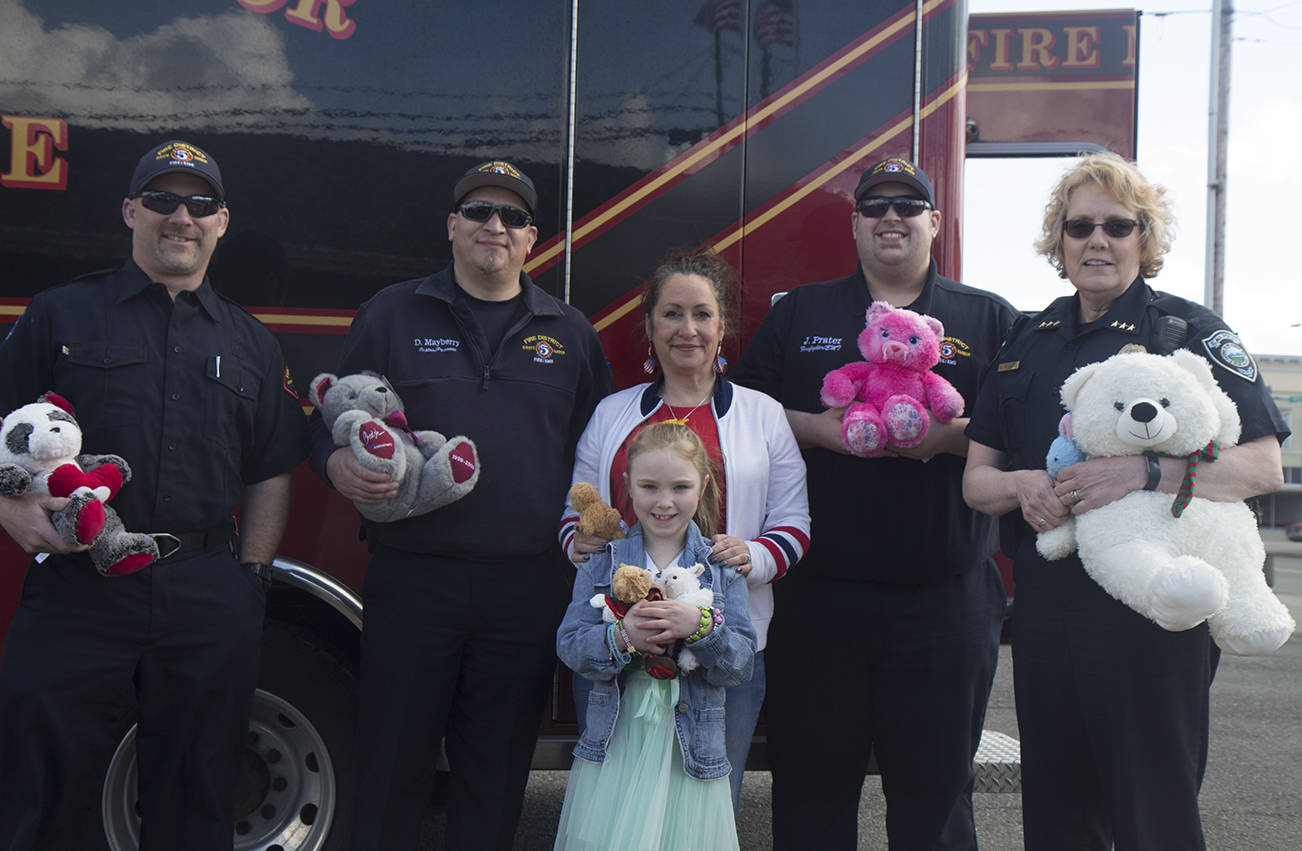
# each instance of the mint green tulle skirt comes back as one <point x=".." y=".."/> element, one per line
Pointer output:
<point x="640" y="799"/>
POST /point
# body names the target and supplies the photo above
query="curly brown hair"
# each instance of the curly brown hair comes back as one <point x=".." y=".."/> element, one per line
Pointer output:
<point x="1129" y="186"/>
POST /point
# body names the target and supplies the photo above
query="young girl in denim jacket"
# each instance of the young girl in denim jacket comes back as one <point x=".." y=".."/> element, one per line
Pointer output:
<point x="650" y="770"/>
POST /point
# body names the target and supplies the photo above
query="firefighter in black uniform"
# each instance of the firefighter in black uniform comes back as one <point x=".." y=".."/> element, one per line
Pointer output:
<point x="885" y="638"/>
<point x="1112" y="709"/>
<point x="194" y="393"/>
<point x="462" y="604"/>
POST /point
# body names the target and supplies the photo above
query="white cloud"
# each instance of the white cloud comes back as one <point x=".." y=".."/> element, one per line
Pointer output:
<point x="234" y="73"/>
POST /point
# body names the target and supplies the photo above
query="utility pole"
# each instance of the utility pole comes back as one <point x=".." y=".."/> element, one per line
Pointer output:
<point x="1218" y="126"/>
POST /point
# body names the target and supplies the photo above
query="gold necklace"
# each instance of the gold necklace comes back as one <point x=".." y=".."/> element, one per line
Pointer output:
<point x="677" y="420"/>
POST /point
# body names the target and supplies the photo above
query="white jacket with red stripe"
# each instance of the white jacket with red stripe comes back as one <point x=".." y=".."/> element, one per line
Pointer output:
<point x="763" y="471"/>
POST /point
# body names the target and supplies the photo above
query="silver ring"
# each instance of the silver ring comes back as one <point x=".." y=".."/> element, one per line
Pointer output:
<point x="1075" y="497"/>
<point x="1040" y="522"/>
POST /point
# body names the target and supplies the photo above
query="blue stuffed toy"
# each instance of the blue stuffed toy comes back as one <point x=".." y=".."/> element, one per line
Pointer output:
<point x="1063" y="452"/>
<point x="1057" y="543"/>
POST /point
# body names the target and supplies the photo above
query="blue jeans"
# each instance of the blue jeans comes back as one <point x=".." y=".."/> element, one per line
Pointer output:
<point x="743" y="708"/>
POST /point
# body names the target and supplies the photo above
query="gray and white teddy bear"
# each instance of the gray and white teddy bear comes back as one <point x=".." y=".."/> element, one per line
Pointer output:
<point x="39" y="446"/>
<point x="363" y="411"/>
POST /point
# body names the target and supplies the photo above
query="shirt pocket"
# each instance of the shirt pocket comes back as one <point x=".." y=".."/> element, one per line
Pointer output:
<point x="105" y="379"/>
<point x="1015" y="414"/>
<point x="230" y="398"/>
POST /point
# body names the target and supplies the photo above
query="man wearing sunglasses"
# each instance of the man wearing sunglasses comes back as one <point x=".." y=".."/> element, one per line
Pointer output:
<point x="902" y="570"/>
<point x="193" y="392"/>
<point x="462" y="604"/>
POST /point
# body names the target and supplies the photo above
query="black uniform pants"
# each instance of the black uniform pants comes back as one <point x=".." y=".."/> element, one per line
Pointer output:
<point x="459" y="650"/>
<point x="174" y="647"/>
<point x="857" y="668"/>
<point x="1113" y="713"/>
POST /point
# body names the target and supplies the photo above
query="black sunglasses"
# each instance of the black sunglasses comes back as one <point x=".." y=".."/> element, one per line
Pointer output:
<point x="165" y="203"/>
<point x="1084" y="228"/>
<point x="482" y="211"/>
<point x="907" y="208"/>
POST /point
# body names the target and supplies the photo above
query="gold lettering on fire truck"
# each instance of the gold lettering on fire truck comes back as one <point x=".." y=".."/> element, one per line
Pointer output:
<point x="1037" y="49"/>
<point x="308" y="13"/>
<point x="32" y="143"/>
<point x="1082" y="47"/>
<point x="1051" y="48"/>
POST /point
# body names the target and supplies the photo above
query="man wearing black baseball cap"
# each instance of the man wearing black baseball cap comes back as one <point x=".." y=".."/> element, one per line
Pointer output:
<point x="462" y="604"/>
<point x="906" y="579"/>
<point x="194" y="393"/>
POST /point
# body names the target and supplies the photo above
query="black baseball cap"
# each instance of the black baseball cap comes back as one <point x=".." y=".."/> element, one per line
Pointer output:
<point x="176" y="156"/>
<point x="895" y="170"/>
<point x="496" y="173"/>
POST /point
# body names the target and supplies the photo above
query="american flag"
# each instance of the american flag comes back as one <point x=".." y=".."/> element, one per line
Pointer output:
<point x="775" y="24"/>
<point x="719" y="15"/>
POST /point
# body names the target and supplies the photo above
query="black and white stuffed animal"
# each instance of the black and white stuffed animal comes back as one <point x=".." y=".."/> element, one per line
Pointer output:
<point x="39" y="446"/>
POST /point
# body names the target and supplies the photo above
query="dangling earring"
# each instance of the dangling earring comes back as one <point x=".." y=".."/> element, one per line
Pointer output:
<point x="720" y="362"/>
<point x="649" y="365"/>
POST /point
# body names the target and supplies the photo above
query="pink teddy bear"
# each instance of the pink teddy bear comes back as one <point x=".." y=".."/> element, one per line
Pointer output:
<point x="888" y="394"/>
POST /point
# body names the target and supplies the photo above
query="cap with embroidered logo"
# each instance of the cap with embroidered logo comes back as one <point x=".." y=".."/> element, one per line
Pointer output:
<point x="496" y="173"/>
<point x="176" y="156"/>
<point x="895" y="170"/>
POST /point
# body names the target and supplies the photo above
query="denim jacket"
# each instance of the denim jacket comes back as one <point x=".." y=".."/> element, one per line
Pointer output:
<point x="726" y="656"/>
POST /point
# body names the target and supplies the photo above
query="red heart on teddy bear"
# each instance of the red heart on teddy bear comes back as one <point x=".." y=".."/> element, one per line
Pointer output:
<point x="377" y="439"/>
<point x="104" y="481"/>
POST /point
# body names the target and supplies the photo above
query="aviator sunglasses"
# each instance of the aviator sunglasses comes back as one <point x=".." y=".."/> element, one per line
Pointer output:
<point x="482" y="211"/>
<point x="165" y="203"/>
<point x="905" y="208"/>
<point x="1083" y="228"/>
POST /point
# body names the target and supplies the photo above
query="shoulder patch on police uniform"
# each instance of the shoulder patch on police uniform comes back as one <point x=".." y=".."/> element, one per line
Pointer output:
<point x="1224" y="349"/>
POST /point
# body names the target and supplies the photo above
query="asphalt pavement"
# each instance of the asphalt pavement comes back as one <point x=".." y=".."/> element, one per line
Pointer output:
<point x="1251" y="798"/>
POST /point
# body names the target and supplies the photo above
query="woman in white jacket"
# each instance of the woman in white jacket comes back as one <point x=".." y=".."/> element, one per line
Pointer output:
<point x="758" y="465"/>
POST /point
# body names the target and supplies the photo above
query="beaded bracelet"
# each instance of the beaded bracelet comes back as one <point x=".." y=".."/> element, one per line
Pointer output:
<point x="615" y="653"/>
<point x="628" y="642"/>
<point x="708" y="616"/>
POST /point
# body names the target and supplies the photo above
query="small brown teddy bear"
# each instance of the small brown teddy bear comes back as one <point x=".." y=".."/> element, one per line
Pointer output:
<point x="595" y="517"/>
<point x="629" y="584"/>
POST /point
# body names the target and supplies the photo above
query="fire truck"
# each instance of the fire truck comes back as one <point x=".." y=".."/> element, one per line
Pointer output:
<point x="341" y="125"/>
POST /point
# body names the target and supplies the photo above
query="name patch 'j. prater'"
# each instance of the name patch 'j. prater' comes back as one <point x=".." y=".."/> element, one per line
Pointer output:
<point x="1225" y="349"/>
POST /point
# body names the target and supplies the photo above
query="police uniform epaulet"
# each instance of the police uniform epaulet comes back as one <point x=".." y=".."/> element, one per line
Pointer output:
<point x="1173" y="305"/>
<point x="98" y="273"/>
<point x="232" y="302"/>
<point x="1051" y="316"/>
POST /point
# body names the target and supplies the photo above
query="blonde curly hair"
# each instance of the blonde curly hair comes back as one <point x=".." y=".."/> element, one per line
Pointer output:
<point x="1124" y="180"/>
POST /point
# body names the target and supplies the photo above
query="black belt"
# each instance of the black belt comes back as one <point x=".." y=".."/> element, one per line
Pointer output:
<point x="221" y="536"/>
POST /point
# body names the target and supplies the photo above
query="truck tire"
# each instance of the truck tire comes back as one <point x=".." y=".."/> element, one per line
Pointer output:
<point x="296" y="787"/>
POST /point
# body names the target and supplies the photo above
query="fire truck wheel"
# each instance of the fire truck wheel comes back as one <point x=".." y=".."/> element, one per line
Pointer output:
<point x="296" y="784"/>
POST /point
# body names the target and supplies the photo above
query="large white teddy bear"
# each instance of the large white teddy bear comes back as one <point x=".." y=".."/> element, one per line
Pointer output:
<point x="1178" y="569"/>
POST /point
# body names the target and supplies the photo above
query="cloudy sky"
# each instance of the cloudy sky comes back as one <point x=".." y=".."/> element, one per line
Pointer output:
<point x="1263" y="273"/>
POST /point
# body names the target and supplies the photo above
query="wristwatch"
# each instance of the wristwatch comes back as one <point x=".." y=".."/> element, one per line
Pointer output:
<point x="1154" y="470"/>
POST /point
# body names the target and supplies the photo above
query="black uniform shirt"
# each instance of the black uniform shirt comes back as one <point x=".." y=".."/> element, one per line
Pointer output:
<point x="523" y="400"/>
<point x="879" y="519"/>
<point x="192" y="393"/>
<point x="1019" y="406"/>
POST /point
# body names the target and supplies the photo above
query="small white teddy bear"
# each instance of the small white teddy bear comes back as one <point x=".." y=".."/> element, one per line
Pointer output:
<point x="684" y="583"/>
<point x="1176" y="567"/>
<point x="363" y="411"/>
